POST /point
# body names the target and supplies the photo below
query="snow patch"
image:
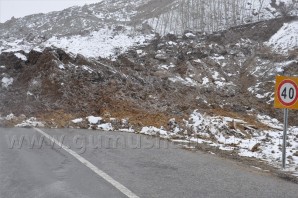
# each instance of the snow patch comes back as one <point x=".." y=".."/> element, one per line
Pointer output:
<point x="31" y="122"/>
<point x="187" y="81"/>
<point x="166" y="67"/>
<point x="21" y="56"/>
<point x="106" y="127"/>
<point x="130" y="130"/>
<point x="10" y="117"/>
<point x="88" y="69"/>
<point x="271" y="122"/>
<point x="286" y="38"/>
<point x="6" y="81"/>
<point x="61" y="66"/>
<point x="113" y="43"/>
<point x="78" y="120"/>
<point x="190" y="35"/>
<point x="94" y="120"/>
<point x="154" y="131"/>
<point x="205" y="80"/>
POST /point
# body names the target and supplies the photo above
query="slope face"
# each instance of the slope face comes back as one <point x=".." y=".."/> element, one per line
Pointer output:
<point x="177" y="15"/>
<point x="86" y="30"/>
<point x="134" y="18"/>
<point x="72" y="21"/>
<point x="286" y="38"/>
<point x="212" y="65"/>
<point x="226" y="76"/>
<point x="162" y="16"/>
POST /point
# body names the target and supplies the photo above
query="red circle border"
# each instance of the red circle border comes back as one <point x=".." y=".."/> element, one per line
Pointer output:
<point x="278" y="92"/>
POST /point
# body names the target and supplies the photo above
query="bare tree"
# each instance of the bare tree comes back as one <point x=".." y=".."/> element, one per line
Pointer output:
<point x="260" y="8"/>
<point x="283" y="8"/>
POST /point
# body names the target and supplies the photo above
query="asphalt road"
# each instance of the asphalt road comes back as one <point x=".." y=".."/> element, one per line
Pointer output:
<point x="146" y="166"/>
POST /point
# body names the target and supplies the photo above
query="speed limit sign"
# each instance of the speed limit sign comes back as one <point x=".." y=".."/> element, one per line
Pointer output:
<point x="286" y="97"/>
<point x="286" y="92"/>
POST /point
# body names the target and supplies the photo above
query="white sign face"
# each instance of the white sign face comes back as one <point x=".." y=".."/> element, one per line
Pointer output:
<point x="287" y="92"/>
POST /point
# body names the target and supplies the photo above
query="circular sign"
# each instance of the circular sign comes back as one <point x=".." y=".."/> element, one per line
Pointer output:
<point x="288" y="92"/>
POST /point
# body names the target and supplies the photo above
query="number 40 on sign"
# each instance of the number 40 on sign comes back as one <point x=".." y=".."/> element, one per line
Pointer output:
<point x="286" y="92"/>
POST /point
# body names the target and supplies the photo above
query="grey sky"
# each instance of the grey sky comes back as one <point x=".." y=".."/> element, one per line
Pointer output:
<point x="20" y="8"/>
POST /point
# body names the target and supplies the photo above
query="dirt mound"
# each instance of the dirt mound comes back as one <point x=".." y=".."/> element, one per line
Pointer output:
<point x="168" y="78"/>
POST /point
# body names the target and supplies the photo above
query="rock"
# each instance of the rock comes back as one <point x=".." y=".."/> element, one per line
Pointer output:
<point x="81" y="60"/>
<point x="228" y="91"/>
<point x="63" y="56"/>
<point x="189" y="35"/>
<point x="11" y="61"/>
<point x="256" y="147"/>
<point x="33" y="57"/>
<point x="161" y="57"/>
<point x="219" y="49"/>
<point x="171" y="37"/>
<point x="202" y="99"/>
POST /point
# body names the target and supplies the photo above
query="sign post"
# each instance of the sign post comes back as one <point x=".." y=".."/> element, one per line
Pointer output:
<point x="284" y="147"/>
<point x="286" y="97"/>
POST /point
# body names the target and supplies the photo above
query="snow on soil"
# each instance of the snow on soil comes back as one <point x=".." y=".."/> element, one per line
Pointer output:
<point x="286" y="38"/>
<point x="105" y="127"/>
<point x="225" y="133"/>
<point x="187" y="81"/>
<point x="94" y="120"/>
<point x="190" y="35"/>
<point x="78" y="120"/>
<point x="15" y="46"/>
<point x="154" y="131"/>
<point x="130" y="130"/>
<point x="95" y="123"/>
<point x="31" y="122"/>
<point x="21" y="56"/>
<point x="262" y="144"/>
<point x="61" y="66"/>
<point x="6" y="81"/>
<point x="10" y="117"/>
<point x="104" y="43"/>
<point x="228" y="134"/>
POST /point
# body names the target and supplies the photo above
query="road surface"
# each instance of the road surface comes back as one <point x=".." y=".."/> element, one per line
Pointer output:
<point x="95" y="164"/>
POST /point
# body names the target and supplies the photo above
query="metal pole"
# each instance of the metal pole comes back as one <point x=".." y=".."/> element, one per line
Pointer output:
<point x="284" y="156"/>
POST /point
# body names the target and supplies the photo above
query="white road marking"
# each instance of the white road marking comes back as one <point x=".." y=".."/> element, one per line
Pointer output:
<point x="99" y="172"/>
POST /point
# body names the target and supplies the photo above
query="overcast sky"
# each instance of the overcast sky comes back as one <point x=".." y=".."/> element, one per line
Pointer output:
<point x="20" y="8"/>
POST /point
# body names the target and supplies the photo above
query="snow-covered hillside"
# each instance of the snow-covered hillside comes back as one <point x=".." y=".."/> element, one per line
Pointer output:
<point x="285" y="39"/>
<point x="104" y="43"/>
<point x="125" y="23"/>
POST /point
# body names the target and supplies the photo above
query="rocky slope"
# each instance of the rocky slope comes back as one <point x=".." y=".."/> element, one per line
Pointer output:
<point x="228" y="72"/>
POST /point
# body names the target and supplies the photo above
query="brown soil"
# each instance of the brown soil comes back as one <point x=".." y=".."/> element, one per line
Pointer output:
<point x="136" y="116"/>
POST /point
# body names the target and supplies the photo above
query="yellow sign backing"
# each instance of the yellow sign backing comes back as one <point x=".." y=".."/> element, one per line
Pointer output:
<point x="286" y="92"/>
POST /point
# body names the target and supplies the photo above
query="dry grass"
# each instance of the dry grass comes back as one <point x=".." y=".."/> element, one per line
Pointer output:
<point x="266" y="52"/>
<point x="247" y="118"/>
<point x="137" y="117"/>
<point x="58" y="118"/>
<point x="10" y="123"/>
